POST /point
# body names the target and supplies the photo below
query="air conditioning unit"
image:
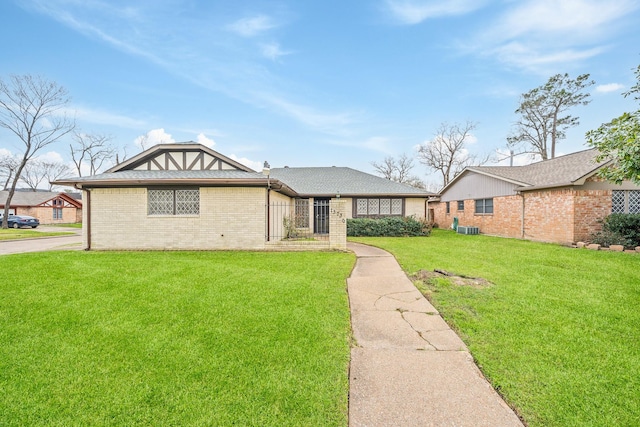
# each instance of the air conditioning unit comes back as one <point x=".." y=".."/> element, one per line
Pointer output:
<point x="468" y="230"/>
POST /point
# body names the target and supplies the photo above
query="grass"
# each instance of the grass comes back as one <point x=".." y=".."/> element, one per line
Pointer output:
<point x="67" y="225"/>
<point x="20" y="233"/>
<point x="556" y="333"/>
<point x="174" y="338"/>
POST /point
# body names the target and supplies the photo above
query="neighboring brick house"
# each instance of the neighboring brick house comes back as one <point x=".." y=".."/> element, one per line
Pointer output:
<point x="49" y="207"/>
<point x="187" y="196"/>
<point x="560" y="200"/>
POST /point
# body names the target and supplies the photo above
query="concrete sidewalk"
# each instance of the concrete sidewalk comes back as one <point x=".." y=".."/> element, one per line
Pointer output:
<point x="408" y="368"/>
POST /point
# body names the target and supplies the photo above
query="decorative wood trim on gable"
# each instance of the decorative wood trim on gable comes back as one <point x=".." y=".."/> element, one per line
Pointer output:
<point x="61" y="201"/>
<point x="180" y="157"/>
<point x="183" y="161"/>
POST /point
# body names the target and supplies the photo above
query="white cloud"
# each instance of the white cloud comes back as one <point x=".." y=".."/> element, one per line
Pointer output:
<point x="252" y="26"/>
<point x="412" y="12"/>
<point x="207" y="142"/>
<point x="610" y="87"/>
<point x="537" y="34"/>
<point x="273" y="51"/>
<point x="153" y="137"/>
<point x="106" y="118"/>
<point x="256" y="166"/>
<point x="50" y="157"/>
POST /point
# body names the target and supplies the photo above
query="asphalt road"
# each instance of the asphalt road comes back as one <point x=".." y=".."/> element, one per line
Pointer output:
<point x="71" y="242"/>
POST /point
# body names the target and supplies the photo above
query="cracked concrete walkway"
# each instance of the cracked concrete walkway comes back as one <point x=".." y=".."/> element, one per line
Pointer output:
<point x="408" y="368"/>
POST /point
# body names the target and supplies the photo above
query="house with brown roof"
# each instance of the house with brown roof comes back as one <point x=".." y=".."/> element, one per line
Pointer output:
<point x="49" y="207"/>
<point x="560" y="200"/>
<point x="188" y="196"/>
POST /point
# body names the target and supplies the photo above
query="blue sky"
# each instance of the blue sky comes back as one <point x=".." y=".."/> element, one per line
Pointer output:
<point x="317" y="83"/>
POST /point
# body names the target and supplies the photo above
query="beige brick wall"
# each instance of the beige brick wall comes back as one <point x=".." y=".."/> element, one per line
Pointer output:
<point x="337" y="224"/>
<point x="230" y="218"/>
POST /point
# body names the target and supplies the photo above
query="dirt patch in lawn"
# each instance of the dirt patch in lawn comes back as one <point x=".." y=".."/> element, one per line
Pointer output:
<point x="456" y="279"/>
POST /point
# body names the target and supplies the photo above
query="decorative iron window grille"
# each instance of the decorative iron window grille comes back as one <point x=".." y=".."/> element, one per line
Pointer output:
<point x="378" y="207"/>
<point x="484" y="206"/>
<point x="301" y="213"/>
<point x="625" y="201"/>
<point x="173" y="202"/>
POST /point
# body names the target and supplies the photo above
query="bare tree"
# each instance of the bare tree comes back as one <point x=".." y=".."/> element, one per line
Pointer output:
<point x="92" y="150"/>
<point x="542" y="123"/>
<point x="398" y="170"/>
<point x="447" y="152"/>
<point x="8" y="167"/>
<point x="32" y="108"/>
<point x="36" y="172"/>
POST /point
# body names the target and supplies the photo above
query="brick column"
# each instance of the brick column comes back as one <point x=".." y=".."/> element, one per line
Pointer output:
<point x="337" y="224"/>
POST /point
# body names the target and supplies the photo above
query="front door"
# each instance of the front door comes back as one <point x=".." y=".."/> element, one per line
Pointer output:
<point x="321" y="216"/>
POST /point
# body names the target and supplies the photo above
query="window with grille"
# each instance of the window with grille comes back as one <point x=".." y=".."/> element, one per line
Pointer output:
<point x="460" y="205"/>
<point x="625" y="201"/>
<point x="184" y="201"/>
<point x="378" y="207"/>
<point x="57" y="213"/>
<point x="448" y="207"/>
<point x="484" y="206"/>
<point x="302" y="213"/>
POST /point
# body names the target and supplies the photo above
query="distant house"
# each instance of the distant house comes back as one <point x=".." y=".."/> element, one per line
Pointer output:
<point x="559" y="200"/>
<point x="188" y="196"/>
<point x="48" y="207"/>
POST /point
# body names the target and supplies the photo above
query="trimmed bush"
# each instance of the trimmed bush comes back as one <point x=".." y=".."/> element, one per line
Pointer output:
<point x="392" y="226"/>
<point x="619" y="229"/>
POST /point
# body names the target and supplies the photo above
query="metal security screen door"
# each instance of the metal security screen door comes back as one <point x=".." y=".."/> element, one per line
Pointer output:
<point x="321" y="216"/>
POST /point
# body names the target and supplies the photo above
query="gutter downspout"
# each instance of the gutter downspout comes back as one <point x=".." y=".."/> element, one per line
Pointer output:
<point x="88" y="248"/>
<point x="522" y="216"/>
<point x="267" y="171"/>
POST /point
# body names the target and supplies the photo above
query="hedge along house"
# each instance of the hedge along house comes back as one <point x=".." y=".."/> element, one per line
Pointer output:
<point x="561" y="200"/>
<point x="49" y="207"/>
<point x="186" y="196"/>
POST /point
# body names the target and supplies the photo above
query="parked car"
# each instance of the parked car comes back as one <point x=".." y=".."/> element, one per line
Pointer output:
<point x="17" y="221"/>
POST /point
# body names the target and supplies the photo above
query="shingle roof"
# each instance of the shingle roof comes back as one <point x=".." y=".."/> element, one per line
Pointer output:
<point x="563" y="170"/>
<point x="329" y="181"/>
<point x="29" y="198"/>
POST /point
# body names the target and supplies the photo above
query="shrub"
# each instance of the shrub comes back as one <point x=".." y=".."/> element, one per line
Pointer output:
<point x="619" y="229"/>
<point x="388" y="227"/>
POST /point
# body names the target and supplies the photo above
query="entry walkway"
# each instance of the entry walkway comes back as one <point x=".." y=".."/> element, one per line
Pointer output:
<point x="408" y="368"/>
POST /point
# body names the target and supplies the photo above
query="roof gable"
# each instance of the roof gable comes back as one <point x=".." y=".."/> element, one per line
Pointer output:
<point x="40" y="198"/>
<point x="188" y="156"/>
<point x="570" y="169"/>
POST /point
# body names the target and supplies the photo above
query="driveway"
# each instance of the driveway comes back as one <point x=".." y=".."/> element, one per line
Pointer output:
<point x="69" y="242"/>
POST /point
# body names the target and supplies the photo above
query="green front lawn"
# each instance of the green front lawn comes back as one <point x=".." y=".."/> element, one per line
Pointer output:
<point x="174" y="338"/>
<point x="557" y="333"/>
<point x="21" y="233"/>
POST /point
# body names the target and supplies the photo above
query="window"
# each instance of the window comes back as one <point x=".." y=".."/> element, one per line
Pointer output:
<point x="378" y="207"/>
<point x="460" y="205"/>
<point x="448" y="207"/>
<point x="57" y="213"/>
<point x="302" y="213"/>
<point x="625" y="201"/>
<point x="173" y="202"/>
<point x="484" y="206"/>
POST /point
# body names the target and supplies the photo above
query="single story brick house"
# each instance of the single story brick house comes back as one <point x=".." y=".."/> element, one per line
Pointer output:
<point x="188" y="196"/>
<point x="49" y="207"/>
<point x="561" y="200"/>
